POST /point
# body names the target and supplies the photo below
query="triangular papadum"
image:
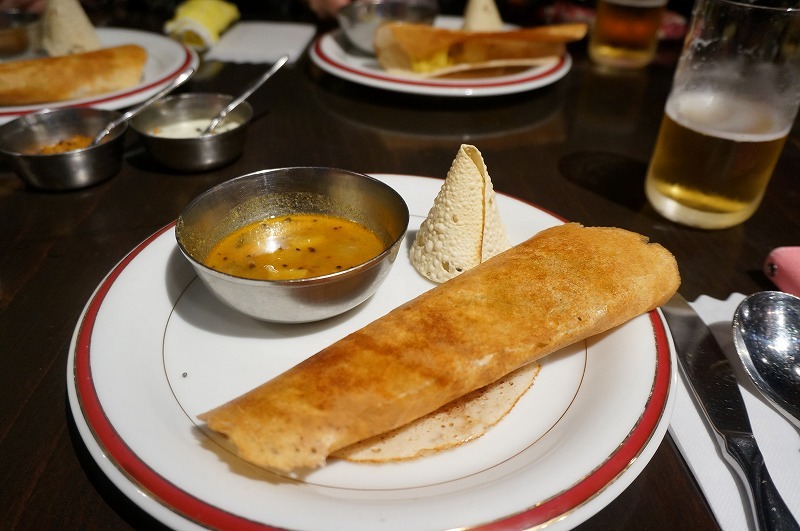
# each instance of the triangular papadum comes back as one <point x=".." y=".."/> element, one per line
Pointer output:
<point x="482" y="15"/>
<point x="66" y="29"/>
<point x="463" y="227"/>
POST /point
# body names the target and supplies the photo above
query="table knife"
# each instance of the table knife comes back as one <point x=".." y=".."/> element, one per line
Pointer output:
<point x="713" y="383"/>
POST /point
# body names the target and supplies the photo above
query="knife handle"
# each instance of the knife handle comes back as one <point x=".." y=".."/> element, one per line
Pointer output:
<point x="769" y="510"/>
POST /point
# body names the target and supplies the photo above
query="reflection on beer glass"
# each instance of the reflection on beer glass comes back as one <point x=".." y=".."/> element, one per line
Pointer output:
<point x="625" y="32"/>
<point x="733" y="101"/>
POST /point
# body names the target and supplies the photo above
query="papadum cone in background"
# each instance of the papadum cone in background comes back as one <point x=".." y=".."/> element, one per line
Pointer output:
<point x="430" y="51"/>
<point x="482" y="15"/>
<point x="561" y="286"/>
<point x="66" y="29"/>
<point x="463" y="227"/>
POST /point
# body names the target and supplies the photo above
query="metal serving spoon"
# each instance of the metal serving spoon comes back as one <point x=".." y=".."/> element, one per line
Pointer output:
<point x="175" y="83"/>
<point x="244" y="95"/>
<point x="766" y="332"/>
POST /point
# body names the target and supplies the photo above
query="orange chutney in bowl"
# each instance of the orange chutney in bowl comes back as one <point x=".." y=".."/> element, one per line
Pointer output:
<point x="294" y="246"/>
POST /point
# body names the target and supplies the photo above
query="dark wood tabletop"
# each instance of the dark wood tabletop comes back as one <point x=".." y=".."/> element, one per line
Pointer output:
<point x="578" y="148"/>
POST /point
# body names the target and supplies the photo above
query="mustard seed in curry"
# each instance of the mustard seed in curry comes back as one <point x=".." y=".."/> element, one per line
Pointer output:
<point x="295" y="246"/>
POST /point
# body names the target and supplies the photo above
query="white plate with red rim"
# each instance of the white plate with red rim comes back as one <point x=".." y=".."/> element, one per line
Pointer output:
<point x="153" y="349"/>
<point x="166" y="59"/>
<point x="333" y="54"/>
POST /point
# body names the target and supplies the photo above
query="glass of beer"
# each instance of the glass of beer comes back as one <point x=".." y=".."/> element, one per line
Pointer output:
<point x="625" y="32"/>
<point x="734" y="97"/>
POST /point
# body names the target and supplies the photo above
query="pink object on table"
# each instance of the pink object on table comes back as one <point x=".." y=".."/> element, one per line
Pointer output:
<point x="782" y="266"/>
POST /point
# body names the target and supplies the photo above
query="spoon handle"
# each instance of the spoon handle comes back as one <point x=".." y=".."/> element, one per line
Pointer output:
<point x="175" y="83"/>
<point x="246" y="94"/>
<point x="769" y="510"/>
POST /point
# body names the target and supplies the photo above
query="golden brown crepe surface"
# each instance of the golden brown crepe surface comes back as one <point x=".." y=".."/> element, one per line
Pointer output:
<point x="563" y="285"/>
<point x="399" y="46"/>
<point x="464" y="419"/>
<point x="67" y="77"/>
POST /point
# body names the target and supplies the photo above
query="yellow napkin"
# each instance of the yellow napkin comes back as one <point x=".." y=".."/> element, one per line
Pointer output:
<point x="199" y="23"/>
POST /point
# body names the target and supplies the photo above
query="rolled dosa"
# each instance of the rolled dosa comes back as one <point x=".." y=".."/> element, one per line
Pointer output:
<point x="426" y="49"/>
<point x="464" y="419"/>
<point x="68" y="77"/>
<point x="562" y="285"/>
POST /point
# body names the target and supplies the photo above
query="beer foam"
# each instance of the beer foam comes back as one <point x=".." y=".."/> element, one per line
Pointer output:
<point x="727" y="116"/>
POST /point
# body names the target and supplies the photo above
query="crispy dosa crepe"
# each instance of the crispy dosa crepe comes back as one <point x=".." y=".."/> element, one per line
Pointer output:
<point x="561" y="286"/>
<point x="462" y="420"/>
<point x="429" y="50"/>
<point x="81" y="75"/>
<point x="463" y="227"/>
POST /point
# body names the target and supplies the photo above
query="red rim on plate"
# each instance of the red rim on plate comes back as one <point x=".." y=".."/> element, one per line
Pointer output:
<point x="199" y="511"/>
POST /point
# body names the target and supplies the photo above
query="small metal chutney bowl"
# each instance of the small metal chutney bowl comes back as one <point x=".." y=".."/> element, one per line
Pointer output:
<point x="309" y="190"/>
<point x="20" y="34"/>
<point x="22" y="140"/>
<point x="193" y="153"/>
<point x="360" y="19"/>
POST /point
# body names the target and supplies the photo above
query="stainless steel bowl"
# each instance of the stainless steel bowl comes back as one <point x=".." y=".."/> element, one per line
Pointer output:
<point x="196" y="153"/>
<point x="360" y="18"/>
<point x="243" y="200"/>
<point x="20" y="34"/>
<point x="22" y="139"/>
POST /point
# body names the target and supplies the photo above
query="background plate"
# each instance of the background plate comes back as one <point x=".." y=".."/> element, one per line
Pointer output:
<point x="332" y="53"/>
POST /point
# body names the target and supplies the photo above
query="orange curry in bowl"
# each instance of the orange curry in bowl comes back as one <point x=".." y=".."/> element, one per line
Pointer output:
<point x="294" y="246"/>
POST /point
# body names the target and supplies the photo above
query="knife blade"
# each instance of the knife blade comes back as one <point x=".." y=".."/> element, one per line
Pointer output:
<point x="711" y="380"/>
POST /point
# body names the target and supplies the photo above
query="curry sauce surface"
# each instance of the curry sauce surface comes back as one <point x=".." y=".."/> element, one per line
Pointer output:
<point x="296" y="246"/>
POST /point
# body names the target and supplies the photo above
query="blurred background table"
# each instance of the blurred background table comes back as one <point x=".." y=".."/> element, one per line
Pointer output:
<point x="578" y="148"/>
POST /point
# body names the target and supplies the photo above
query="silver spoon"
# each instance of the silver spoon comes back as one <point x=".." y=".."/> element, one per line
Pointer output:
<point x="766" y="332"/>
<point x="175" y="83"/>
<point x="244" y="95"/>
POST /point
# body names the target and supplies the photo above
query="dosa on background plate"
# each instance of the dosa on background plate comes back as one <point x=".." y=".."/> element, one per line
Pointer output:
<point x="428" y="50"/>
<point x="67" y="77"/>
<point x="562" y="285"/>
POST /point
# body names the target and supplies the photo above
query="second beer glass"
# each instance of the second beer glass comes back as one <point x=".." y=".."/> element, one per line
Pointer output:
<point x="625" y="32"/>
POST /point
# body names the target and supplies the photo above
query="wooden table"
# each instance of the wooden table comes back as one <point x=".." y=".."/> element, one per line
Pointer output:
<point x="578" y="148"/>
